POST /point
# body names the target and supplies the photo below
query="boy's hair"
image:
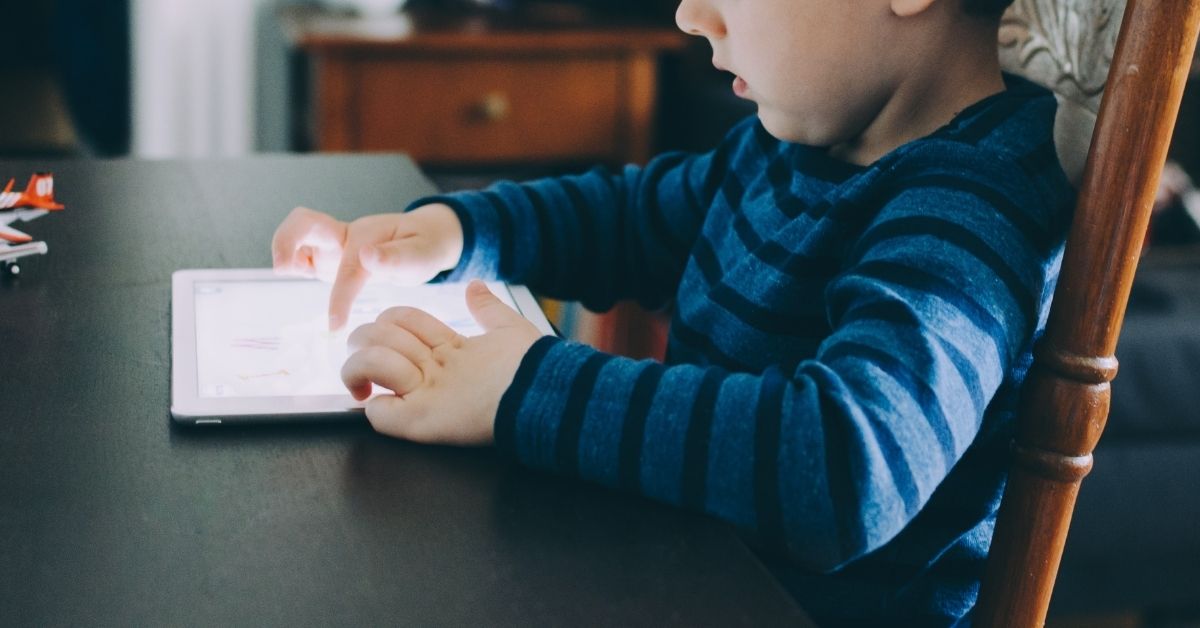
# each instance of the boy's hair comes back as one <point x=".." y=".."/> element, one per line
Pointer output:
<point x="991" y="8"/>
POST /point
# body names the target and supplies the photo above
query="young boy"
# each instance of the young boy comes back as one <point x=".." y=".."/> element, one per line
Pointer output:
<point x="858" y="274"/>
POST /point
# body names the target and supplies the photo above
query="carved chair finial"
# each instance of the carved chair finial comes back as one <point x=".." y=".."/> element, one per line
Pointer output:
<point x="1066" y="46"/>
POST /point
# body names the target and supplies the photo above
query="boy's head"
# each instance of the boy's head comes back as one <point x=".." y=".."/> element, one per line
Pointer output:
<point x="824" y="72"/>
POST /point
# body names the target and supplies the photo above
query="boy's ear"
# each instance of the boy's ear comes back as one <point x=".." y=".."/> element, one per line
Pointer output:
<point x="909" y="8"/>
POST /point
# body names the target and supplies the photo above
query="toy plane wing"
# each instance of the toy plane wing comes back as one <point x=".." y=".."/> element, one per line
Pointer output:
<point x="9" y="234"/>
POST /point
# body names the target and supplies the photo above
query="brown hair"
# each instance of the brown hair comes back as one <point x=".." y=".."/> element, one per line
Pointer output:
<point x="985" y="7"/>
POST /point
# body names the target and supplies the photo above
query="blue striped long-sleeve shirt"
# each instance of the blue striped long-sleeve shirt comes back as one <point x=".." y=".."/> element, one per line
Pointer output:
<point x="845" y="351"/>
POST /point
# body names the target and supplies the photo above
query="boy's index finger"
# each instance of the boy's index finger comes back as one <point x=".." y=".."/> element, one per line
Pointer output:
<point x="349" y="281"/>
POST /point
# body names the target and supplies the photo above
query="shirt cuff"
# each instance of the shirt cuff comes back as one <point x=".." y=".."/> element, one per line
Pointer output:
<point x="512" y="400"/>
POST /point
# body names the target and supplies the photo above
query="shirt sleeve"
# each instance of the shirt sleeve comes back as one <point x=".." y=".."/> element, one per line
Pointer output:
<point x="596" y="238"/>
<point x="830" y="460"/>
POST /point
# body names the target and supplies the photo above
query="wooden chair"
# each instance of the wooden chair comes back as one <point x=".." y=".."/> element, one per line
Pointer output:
<point x="1068" y="45"/>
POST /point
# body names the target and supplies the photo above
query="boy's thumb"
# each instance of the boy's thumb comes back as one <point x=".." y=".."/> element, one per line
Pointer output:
<point x="487" y="310"/>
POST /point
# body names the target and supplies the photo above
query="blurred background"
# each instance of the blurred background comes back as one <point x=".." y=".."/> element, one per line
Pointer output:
<point x="481" y="89"/>
<point x="189" y="78"/>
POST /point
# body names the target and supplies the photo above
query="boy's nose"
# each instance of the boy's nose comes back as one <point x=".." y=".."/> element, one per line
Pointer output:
<point x="699" y="17"/>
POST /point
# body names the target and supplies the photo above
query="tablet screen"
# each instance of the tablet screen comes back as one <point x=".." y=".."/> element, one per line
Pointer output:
<point x="271" y="338"/>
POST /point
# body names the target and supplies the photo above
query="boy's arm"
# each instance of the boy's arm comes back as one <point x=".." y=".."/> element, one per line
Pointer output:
<point x="597" y="237"/>
<point x="830" y="460"/>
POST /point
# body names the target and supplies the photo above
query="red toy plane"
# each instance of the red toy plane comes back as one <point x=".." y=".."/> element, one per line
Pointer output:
<point x="36" y="201"/>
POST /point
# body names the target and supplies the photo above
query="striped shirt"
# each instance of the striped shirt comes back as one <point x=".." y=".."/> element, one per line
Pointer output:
<point x="845" y="351"/>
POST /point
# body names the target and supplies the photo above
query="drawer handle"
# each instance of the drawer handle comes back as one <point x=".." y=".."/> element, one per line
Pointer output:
<point x="494" y="107"/>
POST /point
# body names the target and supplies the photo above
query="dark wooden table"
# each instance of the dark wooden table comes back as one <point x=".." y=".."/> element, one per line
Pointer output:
<point x="109" y="515"/>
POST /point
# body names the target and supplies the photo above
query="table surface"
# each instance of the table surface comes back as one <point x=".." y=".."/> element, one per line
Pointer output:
<point x="111" y="515"/>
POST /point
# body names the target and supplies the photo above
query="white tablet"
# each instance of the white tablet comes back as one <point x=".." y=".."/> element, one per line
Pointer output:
<point x="250" y="346"/>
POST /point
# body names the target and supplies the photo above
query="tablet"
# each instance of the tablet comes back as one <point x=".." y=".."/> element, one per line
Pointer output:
<point x="250" y="346"/>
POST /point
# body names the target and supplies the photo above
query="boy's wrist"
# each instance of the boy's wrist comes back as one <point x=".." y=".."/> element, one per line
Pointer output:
<point x="446" y="231"/>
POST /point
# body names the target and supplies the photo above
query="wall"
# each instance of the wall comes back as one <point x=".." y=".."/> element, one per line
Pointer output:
<point x="195" y="78"/>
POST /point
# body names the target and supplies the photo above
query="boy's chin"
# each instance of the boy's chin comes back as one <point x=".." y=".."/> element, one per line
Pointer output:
<point x="788" y="129"/>
<point x="783" y="129"/>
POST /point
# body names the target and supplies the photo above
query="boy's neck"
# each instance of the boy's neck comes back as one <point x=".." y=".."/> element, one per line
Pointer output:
<point x="926" y="99"/>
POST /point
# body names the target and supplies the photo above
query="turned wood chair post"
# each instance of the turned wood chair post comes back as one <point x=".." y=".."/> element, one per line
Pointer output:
<point x="1067" y="392"/>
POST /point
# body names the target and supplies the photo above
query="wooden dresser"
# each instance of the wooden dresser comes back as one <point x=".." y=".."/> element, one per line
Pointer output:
<point x="485" y="88"/>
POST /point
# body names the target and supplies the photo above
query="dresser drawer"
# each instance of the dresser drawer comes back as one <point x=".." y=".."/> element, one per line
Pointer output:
<point x="460" y="110"/>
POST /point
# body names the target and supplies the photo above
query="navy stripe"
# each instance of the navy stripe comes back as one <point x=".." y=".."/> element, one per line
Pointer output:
<point x="691" y="199"/>
<point x="767" y="144"/>
<point x="901" y="315"/>
<point x="633" y="428"/>
<point x="507" y="233"/>
<point x="923" y="282"/>
<point x="805" y="266"/>
<point x="567" y="444"/>
<point x="851" y="215"/>
<point x="960" y="237"/>
<point x="771" y="320"/>
<point x="696" y="443"/>
<point x="660" y="229"/>
<point x="550" y="267"/>
<point x="1038" y="161"/>
<point x="840" y="467"/>
<point x="718" y="172"/>
<point x="702" y="344"/>
<point x="768" y="505"/>
<point x="958" y="570"/>
<point x="998" y="110"/>
<point x="732" y="191"/>
<point x="884" y="432"/>
<point x="588" y="237"/>
<point x="1027" y="227"/>
<point x="909" y="381"/>
<point x="505" y="427"/>
<point x="816" y="163"/>
<point x="706" y="262"/>
<point x="624" y="241"/>
<point x="745" y="231"/>
<point x="965" y="369"/>
<point x="776" y="320"/>
<point x="780" y="175"/>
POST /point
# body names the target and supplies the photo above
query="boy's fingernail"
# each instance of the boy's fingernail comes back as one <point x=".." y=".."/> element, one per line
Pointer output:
<point x="335" y="322"/>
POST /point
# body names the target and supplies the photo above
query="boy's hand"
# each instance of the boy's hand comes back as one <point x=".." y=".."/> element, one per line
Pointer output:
<point x="410" y="248"/>
<point x="447" y="387"/>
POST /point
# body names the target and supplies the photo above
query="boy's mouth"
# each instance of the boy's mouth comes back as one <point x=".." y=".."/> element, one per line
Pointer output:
<point x="740" y="87"/>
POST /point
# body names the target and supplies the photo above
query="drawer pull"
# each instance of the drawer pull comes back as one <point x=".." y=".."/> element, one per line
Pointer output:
<point x="494" y="107"/>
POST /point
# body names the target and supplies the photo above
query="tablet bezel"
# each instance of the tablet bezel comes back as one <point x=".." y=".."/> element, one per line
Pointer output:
<point x="188" y="407"/>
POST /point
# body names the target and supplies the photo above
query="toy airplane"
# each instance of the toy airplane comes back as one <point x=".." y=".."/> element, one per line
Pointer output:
<point x="36" y="201"/>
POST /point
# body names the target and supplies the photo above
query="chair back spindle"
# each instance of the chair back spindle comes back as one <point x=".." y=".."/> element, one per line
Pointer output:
<point x="1067" y="392"/>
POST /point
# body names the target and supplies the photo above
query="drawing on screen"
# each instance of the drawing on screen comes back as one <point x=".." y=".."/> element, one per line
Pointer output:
<point x="279" y="373"/>
<point x="270" y="343"/>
